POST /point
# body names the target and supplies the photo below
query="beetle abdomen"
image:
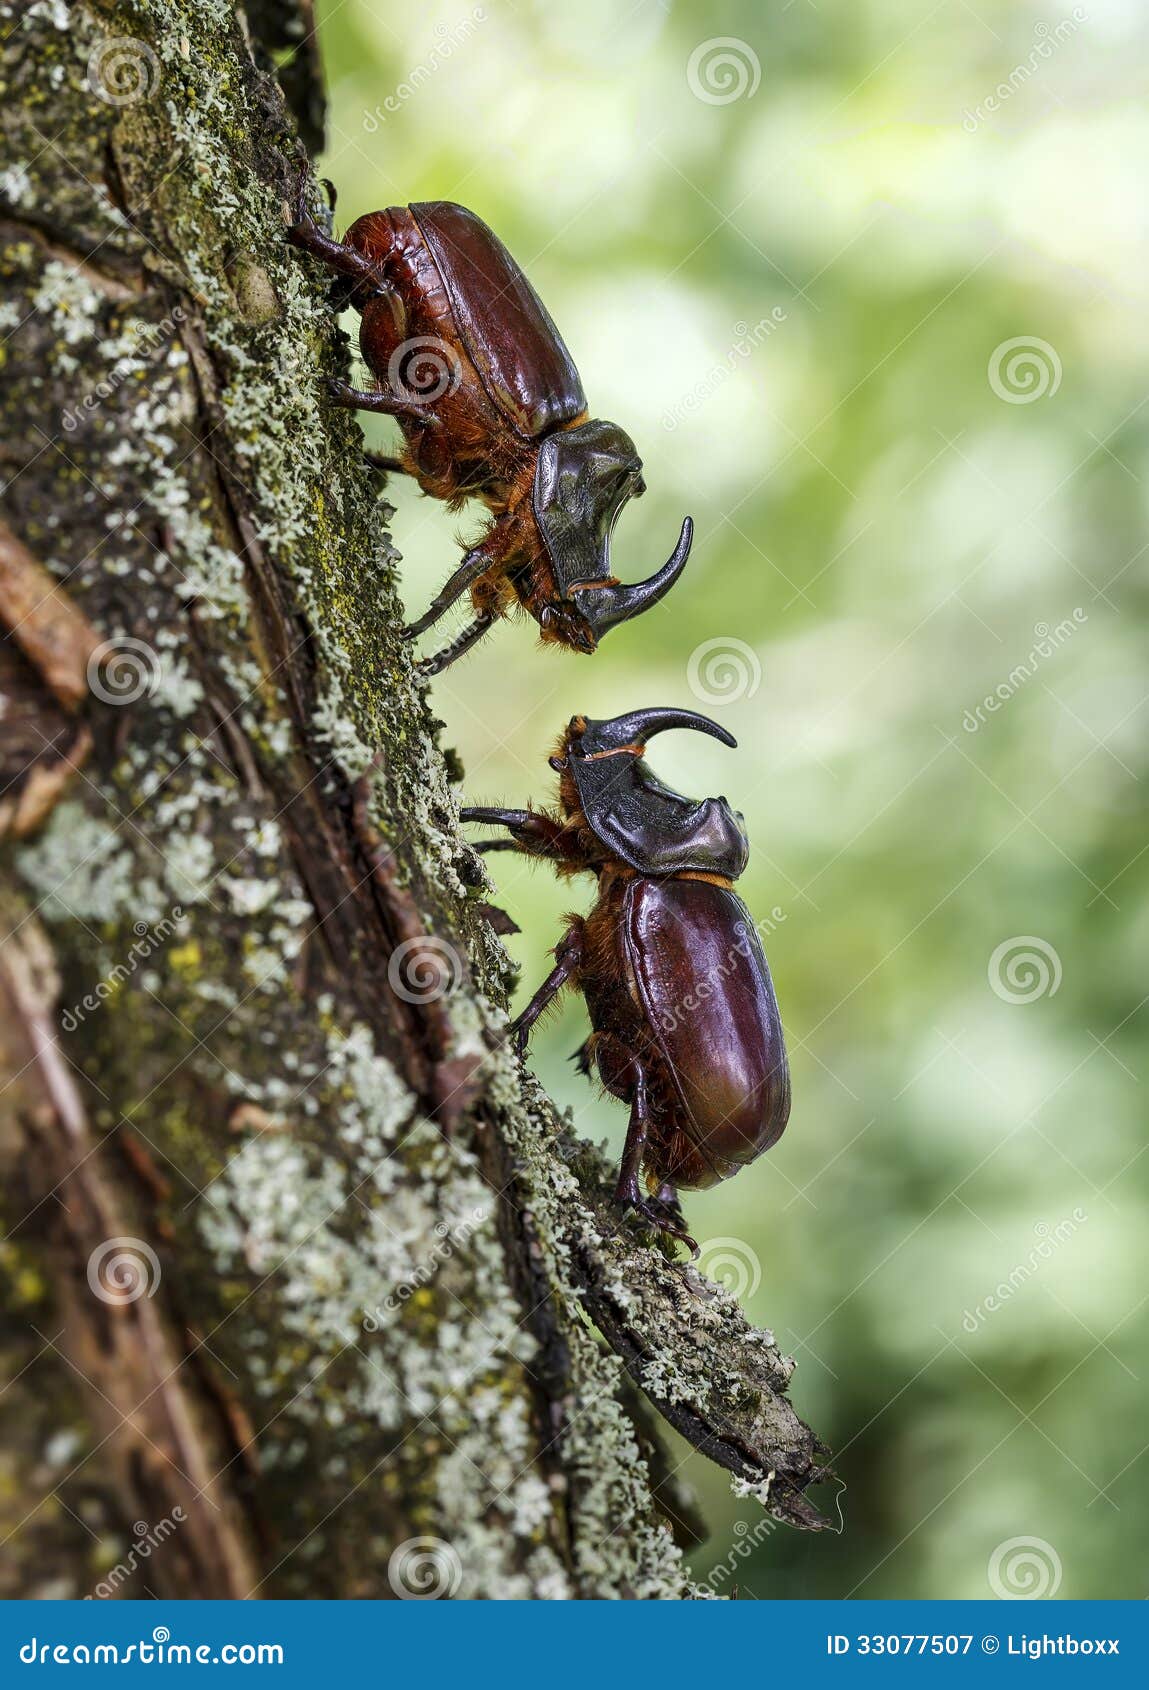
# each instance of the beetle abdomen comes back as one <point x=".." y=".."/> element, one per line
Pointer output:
<point x="520" y="356"/>
<point x="704" y="988"/>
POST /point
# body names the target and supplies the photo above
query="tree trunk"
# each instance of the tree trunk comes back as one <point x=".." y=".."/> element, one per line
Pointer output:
<point x="314" y="1292"/>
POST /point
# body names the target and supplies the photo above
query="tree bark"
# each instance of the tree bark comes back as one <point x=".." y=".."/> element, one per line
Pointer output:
<point x="313" y="1292"/>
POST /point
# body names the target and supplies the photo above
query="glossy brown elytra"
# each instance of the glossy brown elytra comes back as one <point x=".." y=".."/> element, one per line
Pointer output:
<point x="491" y="407"/>
<point x="686" y="1027"/>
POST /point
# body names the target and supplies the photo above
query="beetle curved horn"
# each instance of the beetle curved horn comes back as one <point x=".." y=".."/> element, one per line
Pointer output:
<point x="638" y="726"/>
<point x="606" y="607"/>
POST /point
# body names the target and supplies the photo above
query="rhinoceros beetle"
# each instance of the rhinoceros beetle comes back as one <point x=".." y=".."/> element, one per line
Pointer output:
<point x="686" y="1025"/>
<point x="490" y="405"/>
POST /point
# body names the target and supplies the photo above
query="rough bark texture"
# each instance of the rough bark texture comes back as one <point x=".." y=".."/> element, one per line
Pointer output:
<point x="373" y="1291"/>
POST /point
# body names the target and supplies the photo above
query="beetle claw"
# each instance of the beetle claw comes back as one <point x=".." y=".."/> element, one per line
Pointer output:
<point x="657" y="1215"/>
<point x="518" y="1037"/>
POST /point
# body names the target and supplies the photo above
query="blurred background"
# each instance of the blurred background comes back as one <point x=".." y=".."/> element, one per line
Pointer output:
<point x="865" y="280"/>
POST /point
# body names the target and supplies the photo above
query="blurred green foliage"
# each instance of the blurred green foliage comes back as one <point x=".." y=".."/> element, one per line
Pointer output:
<point x="794" y="299"/>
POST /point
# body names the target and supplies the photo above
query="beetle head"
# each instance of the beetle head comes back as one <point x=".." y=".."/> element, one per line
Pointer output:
<point x="583" y="477"/>
<point x="635" y="816"/>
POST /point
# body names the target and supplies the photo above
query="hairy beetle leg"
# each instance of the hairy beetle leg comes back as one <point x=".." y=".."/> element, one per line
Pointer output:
<point x="652" y="1214"/>
<point x="666" y="1199"/>
<point x="389" y="404"/>
<point x="473" y="632"/>
<point x="661" y="1212"/>
<point x="666" y="1210"/>
<point x="533" y="834"/>
<point x="627" y="1192"/>
<point x="473" y="565"/>
<point x="569" y="954"/>
<point x="306" y="234"/>
<point x="385" y="462"/>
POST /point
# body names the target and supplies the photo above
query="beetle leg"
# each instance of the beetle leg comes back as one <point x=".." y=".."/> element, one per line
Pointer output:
<point x="531" y="833"/>
<point x="341" y="295"/>
<point x="627" y="1191"/>
<point x="667" y="1198"/>
<point x="569" y="959"/>
<point x="663" y="1212"/>
<point x="489" y="813"/>
<point x="462" y="643"/>
<point x="516" y="820"/>
<point x="366" y="399"/>
<point x="384" y="461"/>
<point x="472" y="566"/>
<point x="306" y="234"/>
<point x="665" y="1203"/>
